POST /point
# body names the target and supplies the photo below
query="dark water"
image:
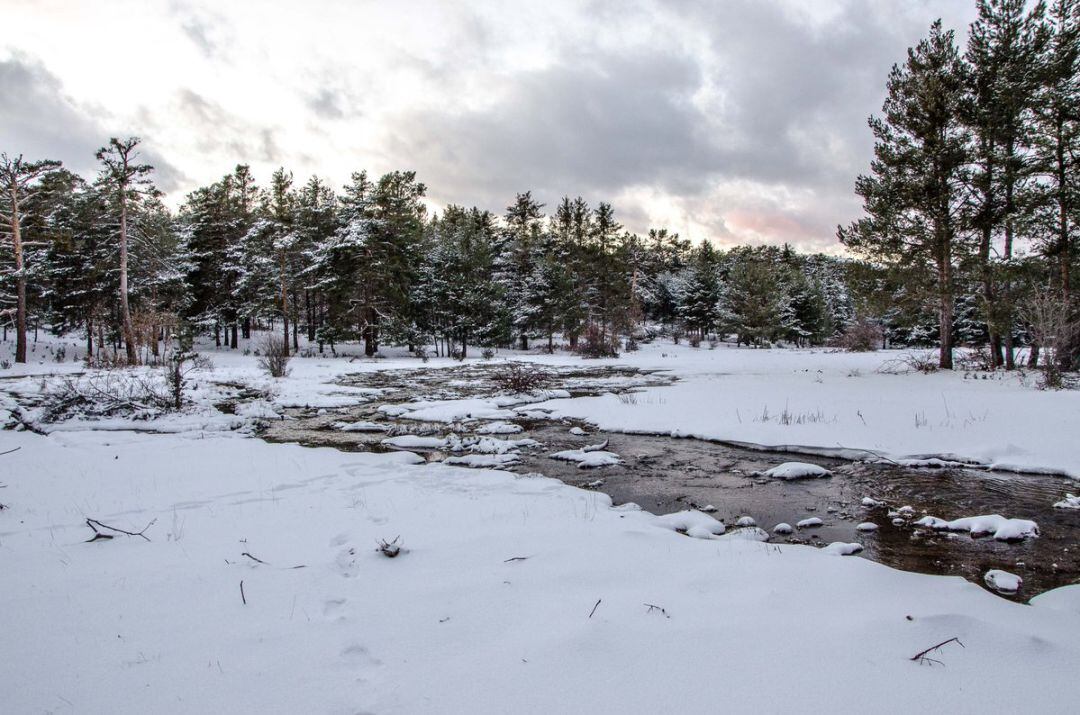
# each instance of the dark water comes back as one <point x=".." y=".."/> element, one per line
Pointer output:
<point x="663" y="474"/>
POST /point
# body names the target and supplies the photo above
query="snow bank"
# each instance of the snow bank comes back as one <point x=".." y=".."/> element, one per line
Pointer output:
<point x="361" y="426"/>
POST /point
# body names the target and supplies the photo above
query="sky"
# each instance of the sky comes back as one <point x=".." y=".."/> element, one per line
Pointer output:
<point x="736" y="121"/>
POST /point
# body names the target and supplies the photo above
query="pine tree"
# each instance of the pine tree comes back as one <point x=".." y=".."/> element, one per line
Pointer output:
<point x="126" y="182"/>
<point x="914" y="197"/>
<point x="19" y="181"/>
<point x="1002" y="77"/>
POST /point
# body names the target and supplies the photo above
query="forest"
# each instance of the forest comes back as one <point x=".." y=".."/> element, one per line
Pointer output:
<point x="968" y="238"/>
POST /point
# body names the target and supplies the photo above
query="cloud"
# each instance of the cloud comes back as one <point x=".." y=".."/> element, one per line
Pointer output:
<point x="216" y="131"/>
<point x="38" y="120"/>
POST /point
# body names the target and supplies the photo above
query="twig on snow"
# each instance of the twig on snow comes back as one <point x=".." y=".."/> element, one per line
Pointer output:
<point x="923" y="658"/>
<point x="515" y="558"/>
<point x="653" y="607"/>
<point x="94" y="524"/>
<point x="10" y="451"/>
<point x="242" y="596"/>
<point x="595" y="606"/>
<point x="253" y="558"/>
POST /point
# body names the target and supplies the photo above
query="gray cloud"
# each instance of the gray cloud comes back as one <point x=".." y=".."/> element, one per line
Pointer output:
<point x="219" y="132"/>
<point x="775" y="100"/>
<point x="590" y="125"/>
<point x="38" y="120"/>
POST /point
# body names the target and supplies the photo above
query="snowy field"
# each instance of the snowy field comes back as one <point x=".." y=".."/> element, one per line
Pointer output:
<point x="259" y="586"/>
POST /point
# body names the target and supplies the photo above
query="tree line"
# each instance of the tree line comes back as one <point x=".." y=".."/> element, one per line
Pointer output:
<point x="368" y="263"/>
<point x="969" y="237"/>
<point x="972" y="201"/>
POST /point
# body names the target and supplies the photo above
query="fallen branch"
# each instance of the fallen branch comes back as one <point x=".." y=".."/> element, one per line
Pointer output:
<point x="94" y="524"/>
<point x="10" y="451"/>
<point x="923" y="656"/>
<point x="515" y="558"/>
<point x="242" y="596"/>
<point x="657" y="608"/>
<point x="597" y="605"/>
<point x="253" y="558"/>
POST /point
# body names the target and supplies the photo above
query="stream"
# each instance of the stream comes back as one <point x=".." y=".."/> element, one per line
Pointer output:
<point x="664" y="474"/>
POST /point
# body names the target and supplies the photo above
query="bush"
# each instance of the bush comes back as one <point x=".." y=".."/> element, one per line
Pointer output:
<point x="274" y="356"/>
<point x="487" y="353"/>
<point x="519" y="377"/>
<point x="596" y="344"/>
<point x="862" y="336"/>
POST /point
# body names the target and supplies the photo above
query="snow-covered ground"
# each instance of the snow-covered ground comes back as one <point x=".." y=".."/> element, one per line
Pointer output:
<point x="512" y="593"/>
<point x="825" y="401"/>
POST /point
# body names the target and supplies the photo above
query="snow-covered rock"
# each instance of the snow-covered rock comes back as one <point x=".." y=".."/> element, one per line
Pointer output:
<point x="871" y="503"/>
<point x="797" y="470"/>
<point x="588" y="460"/>
<point x="840" y="548"/>
<point x="1071" y="501"/>
<point x="782" y="528"/>
<point x="692" y="523"/>
<point x="746" y="521"/>
<point x="1003" y="581"/>
<point x="867" y="526"/>
<point x="578" y="432"/>
<point x="484" y="460"/>
<point x="810" y="523"/>
<point x="1001" y="528"/>
<point x="499" y="427"/>
<point x="361" y="426"/>
<point x="413" y="441"/>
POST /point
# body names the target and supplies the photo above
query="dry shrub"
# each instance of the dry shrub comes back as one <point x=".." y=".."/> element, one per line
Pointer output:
<point x="1056" y="332"/>
<point x="518" y="377"/>
<point x="274" y="356"/>
<point x="862" y="336"/>
<point x="597" y="344"/>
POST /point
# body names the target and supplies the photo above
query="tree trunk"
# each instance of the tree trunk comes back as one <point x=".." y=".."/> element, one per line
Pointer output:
<point x="945" y="361"/>
<point x="125" y="309"/>
<point x="89" y="337"/>
<point x="1033" y="356"/>
<point x="284" y="306"/>
<point x="20" y="281"/>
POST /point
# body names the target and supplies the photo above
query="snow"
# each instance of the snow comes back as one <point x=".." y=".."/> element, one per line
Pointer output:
<point x="361" y="426"/>
<point x="839" y="548"/>
<point x="578" y="432"/>
<point x="1071" y="501"/>
<point x="500" y="572"/>
<point x="1001" y="528"/>
<point x="824" y="402"/>
<point x="809" y="523"/>
<point x="484" y="460"/>
<point x="588" y="459"/>
<point x="692" y="523"/>
<point x="867" y="526"/>
<point x="499" y="428"/>
<point x="797" y="470"/>
<point x="1003" y="581"/>
<point x="871" y="503"/>
<point x="412" y="441"/>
